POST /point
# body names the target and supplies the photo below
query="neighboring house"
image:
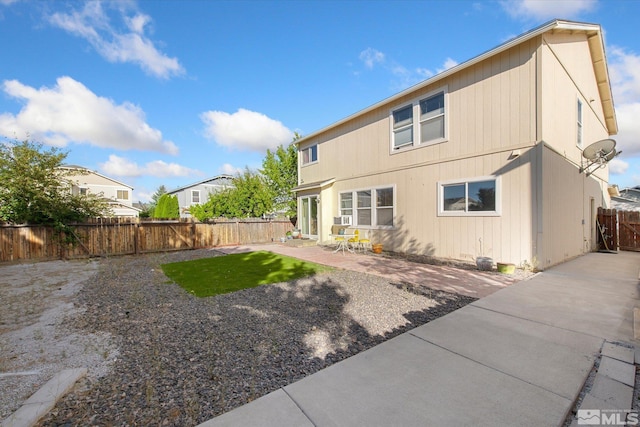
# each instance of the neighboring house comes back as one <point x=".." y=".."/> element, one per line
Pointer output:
<point x="117" y="194"/>
<point x="198" y="193"/>
<point x="627" y="199"/>
<point x="483" y="159"/>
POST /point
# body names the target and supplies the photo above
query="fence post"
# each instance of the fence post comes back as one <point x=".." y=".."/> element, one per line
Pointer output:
<point x="193" y="234"/>
<point x="136" y="237"/>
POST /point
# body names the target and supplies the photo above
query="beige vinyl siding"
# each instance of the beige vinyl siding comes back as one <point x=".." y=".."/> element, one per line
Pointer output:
<point x="418" y="228"/>
<point x="567" y="75"/>
<point x="566" y="203"/>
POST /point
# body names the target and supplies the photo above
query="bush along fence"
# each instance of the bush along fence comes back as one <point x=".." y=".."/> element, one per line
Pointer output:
<point x="128" y="236"/>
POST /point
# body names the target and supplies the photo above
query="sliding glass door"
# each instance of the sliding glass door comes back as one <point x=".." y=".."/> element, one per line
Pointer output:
<point x="309" y="216"/>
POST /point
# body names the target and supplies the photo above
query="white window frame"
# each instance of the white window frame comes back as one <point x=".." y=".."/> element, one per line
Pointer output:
<point x="125" y="192"/>
<point x="83" y="191"/>
<point x="373" y="208"/>
<point x="579" y="123"/>
<point x="192" y="194"/>
<point x="310" y="151"/>
<point x="345" y="211"/>
<point x="466" y="182"/>
<point x="417" y="122"/>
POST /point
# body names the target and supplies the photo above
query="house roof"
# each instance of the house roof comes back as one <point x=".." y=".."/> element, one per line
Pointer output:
<point x="195" y="184"/>
<point x="596" y="47"/>
<point x="625" y="204"/>
<point x="76" y="167"/>
<point x="119" y="205"/>
<point x="312" y="185"/>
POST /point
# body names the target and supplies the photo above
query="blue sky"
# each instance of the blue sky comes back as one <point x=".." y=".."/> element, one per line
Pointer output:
<point x="172" y="92"/>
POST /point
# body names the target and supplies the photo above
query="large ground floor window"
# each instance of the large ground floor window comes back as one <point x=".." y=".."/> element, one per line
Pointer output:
<point x="371" y="207"/>
<point x="471" y="197"/>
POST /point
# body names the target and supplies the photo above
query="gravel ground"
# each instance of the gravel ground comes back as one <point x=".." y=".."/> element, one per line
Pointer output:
<point x="161" y="356"/>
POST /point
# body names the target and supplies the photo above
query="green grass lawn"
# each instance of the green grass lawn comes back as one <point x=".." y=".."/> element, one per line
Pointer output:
<point x="229" y="273"/>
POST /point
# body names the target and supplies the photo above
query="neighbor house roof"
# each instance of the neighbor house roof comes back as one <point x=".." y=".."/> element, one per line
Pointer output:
<point x="206" y="181"/>
<point x="76" y="167"/>
<point x="596" y="47"/>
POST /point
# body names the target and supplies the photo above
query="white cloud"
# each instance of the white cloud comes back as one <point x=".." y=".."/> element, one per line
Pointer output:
<point x="371" y="56"/>
<point x="624" y="70"/>
<point x="628" y="137"/>
<point x="119" y="166"/>
<point x="406" y="78"/>
<point x="540" y="9"/>
<point x="92" y="24"/>
<point x="403" y="77"/>
<point x="229" y="169"/>
<point x="245" y="130"/>
<point x="69" y="112"/>
<point x="618" y="167"/>
<point x="448" y="63"/>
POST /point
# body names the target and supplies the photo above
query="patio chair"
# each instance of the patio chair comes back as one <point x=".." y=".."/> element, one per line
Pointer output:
<point x="355" y="240"/>
<point x="365" y="243"/>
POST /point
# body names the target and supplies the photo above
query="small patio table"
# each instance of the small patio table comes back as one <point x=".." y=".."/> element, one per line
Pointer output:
<point x="344" y="243"/>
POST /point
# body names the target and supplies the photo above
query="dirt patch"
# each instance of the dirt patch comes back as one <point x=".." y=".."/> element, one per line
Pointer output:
<point x="34" y="345"/>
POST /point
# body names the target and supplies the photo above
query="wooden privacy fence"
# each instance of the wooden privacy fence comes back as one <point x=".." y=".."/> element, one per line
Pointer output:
<point x="618" y="230"/>
<point x="115" y="236"/>
<point x="607" y="229"/>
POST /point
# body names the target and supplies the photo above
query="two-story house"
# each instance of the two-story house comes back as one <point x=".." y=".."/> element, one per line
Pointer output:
<point x="117" y="194"/>
<point x="199" y="192"/>
<point x="483" y="159"/>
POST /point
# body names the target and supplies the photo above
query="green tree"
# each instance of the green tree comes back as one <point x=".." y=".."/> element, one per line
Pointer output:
<point x="167" y="207"/>
<point x="280" y="169"/>
<point x="160" y="191"/>
<point x="250" y="197"/>
<point x="148" y="211"/>
<point x="36" y="189"/>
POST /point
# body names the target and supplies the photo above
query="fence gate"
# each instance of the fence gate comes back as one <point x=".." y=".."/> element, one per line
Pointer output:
<point x="607" y="229"/>
<point x="629" y="230"/>
<point x="618" y="230"/>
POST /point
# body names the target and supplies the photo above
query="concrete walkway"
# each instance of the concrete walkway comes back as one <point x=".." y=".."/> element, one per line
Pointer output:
<point x="520" y="356"/>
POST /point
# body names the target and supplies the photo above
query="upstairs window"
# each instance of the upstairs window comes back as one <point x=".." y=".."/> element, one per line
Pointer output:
<point x="310" y="155"/>
<point x="195" y="196"/>
<point x="122" y="195"/>
<point x="579" y="125"/>
<point x="403" y="127"/>
<point x="432" y="118"/>
<point x="423" y="122"/>
<point x="84" y="191"/>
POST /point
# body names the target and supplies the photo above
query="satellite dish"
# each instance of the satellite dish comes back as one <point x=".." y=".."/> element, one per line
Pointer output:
<point x="599" y="154"/>
<point x="613" y="153"/>
<point x="599" y="149"/>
